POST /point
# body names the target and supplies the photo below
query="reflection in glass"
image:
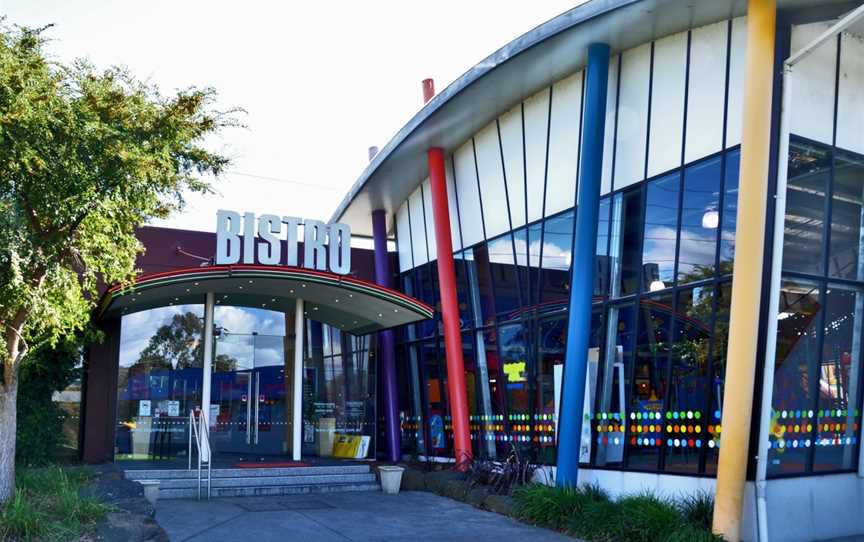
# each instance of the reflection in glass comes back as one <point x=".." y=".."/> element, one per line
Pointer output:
<point x="838" y="375"/>
<point x="661" y="225"/>
<point x="625" y="241"/>
<point x="611" y="418"/>
<point x="792" y="415"/>
<point x="809" y="172"/>
<point x="502" y="267"/>
<point x="159" y="381"/>
<point x="556" y="258"/>
<point x="601" y="265"/>
<point x="730" y="212"/>
<point x="700" y="219"/>
<point x="845" y="258"/>
<point x="649" y="382"/>
<point x="712" y="415"/>
<point x="687" y="387"/>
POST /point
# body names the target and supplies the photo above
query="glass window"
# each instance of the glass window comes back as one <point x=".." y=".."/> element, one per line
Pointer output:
<point x="520" y="243"/>
<point x="556" y="257"/>
<point x="792" y="415"/>
<point x="610" y="417"/>
<point x="700" y="219"/>
<point x="502" y="265"/>
<point x="712" y="416"/>
<point x="601" y="265"/>
<point x="847" y="203"/>
<point x="838" y="375"/>
<point x="625" y="242"/>
<point x="463" y="292"/>
<point x="436" y="403"/>
<point x="551" y="337"/>
<point x="480" y="280"/>
<point x="730" y="211"/>
<point x="535" y="233"/>
<point x="809" y="171"/>
<point x="661" y="226"/>
<point x="514" y="357"/>
<point x="649" y="381"/>
<point x="159" y="381"/>
<point x="687" y="388"/>
<point x="427" y="290"/>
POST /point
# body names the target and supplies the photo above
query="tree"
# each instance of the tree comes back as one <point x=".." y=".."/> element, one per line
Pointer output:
<point x="86" y="156"/>
<point x="179" y="344"/>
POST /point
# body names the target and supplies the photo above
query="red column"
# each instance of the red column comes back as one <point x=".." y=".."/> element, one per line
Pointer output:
<point x="450" y="310"/>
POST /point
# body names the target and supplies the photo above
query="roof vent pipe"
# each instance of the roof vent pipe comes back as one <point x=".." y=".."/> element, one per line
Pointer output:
<point x="373" y="150"/>
<point x="428" y="90"/>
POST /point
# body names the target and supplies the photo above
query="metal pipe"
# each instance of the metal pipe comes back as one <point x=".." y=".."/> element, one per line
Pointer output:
<point x="209" y="307"/>
<point x="297" y="395"/>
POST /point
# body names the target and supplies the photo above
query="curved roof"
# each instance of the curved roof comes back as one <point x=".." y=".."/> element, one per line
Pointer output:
<point x="353" y="305"/>
<point x="527" y="64"/>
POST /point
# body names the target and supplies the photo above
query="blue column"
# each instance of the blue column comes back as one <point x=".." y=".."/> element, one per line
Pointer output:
<point x="582" y="278"/>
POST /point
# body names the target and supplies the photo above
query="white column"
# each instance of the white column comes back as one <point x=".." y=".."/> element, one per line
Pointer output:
<point x="297" y="395"/>
<point x="209" y="302"/>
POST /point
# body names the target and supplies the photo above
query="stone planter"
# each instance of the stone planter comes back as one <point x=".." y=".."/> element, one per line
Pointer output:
<point x="151" y="490"/>
<point x="391" y="478"/>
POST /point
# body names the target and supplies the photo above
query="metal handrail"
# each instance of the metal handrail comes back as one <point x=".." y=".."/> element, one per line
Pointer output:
<point x="198" y="428"/>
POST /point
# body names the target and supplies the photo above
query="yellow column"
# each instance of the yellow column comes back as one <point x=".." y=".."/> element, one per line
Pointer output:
<point x="747" y="274"/>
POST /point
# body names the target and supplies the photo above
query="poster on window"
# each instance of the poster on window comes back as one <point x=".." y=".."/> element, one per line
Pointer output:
<point x="144" y="407"/>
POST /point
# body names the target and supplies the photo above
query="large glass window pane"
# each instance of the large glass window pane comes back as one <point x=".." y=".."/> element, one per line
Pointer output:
<point x="700" y="218"/>
<point x="463" y="290"/>
<point x="427" y="290"/>
<point x="436" y="389"/>
<point x="610" y="418"/>
<point x="845" y="259"/>
<point x="839" y="377"/>
<point x="551" y="337"/>
<point x="792" y="413"/>
<point x="556" y="258"/>
<point x="480" y="281"/>
<point x="649" y="382"/>
<point x="730" y="211"/>
<point x="502" y="266"/>
<point x="601" y="265"/>
<point x="159" y="381"/>
<point x="625" y="242"/>
<point x="661" y="226"/>
<point x="535" y="232"/>
<point x="713" y="414"/>
<point x="514" y="356"/>
<point x="809" y="171"/>
<point x="688" y="386"/>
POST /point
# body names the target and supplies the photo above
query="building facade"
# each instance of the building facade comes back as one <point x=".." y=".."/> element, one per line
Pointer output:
<point x="482" y="192"/>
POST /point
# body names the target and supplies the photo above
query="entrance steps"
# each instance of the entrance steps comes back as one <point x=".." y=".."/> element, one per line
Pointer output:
<point x="252" y="482"/>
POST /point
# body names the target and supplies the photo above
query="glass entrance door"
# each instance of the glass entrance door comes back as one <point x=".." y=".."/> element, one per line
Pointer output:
<point x="249" y="396"/>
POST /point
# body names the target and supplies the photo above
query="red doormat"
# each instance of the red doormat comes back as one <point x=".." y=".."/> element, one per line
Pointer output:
<point x="274" y="465"/>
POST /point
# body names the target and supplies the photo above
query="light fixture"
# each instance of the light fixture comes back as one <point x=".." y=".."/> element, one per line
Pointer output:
<point x="784" y="315"/>
<point x="656" y="285"/>
<point x="710" y="220"/>
<point x="195" y="284"/>
<point x="251" y="281"/>
<point x="314" y="308"/>
<point x="273" y="300"/>
<point x="290" y="291"/>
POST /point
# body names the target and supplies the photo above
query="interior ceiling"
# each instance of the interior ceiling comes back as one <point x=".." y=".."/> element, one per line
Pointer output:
<point x="522" y="67"/>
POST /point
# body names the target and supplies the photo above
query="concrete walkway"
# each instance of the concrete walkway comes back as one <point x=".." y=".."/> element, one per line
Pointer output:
<point x="409" y="516"/>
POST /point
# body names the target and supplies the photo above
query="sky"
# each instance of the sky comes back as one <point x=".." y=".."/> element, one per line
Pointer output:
<point x="320" y="82"/>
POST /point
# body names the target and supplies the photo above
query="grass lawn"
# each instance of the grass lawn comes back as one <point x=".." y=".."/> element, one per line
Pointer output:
<point x="47" y="506"/>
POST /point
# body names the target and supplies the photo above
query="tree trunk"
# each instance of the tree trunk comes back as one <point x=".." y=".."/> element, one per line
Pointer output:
<point x="8" y="425"/>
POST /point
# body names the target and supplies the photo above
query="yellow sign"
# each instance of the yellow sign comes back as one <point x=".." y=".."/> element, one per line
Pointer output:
<point x="515" y="371"/>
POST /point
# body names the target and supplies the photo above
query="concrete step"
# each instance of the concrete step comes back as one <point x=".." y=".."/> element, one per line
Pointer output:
<point x="260" y="491"/>
<point x="262" y="481"/>
<point x="163" y="474"/>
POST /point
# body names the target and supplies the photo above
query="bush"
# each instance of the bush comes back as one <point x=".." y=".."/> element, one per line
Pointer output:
<point x="47" y="506"/>
<point x="39" y="435"/>
<point x="588" y="512"/>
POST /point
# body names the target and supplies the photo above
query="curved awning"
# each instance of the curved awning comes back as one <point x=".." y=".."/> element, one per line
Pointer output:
<point x="353" y="305"/>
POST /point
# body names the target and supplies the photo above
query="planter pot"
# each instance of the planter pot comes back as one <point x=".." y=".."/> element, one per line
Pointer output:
<point x="391" y="478"/>
<point x="151" y="490"/>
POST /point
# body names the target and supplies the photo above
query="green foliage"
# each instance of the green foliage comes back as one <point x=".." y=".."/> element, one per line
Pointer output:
<point x="47" y="506"/>
<point x="86" y="156"/>
<point x="40" y="420"/>
<point x="588" y="513"/>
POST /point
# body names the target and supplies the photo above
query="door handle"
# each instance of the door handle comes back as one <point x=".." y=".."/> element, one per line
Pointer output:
<point x="248" y="409"/>
<point x="257" y="402"/>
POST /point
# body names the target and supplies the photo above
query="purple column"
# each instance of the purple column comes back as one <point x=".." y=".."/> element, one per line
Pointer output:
<point x="386" y="342"/>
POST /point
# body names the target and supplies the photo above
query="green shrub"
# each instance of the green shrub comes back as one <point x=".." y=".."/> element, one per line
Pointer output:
<point x="587" y="512"/>
<point x="698" y="509"/>
<point x="47" y="506"/>
<point x="39" y="434"/>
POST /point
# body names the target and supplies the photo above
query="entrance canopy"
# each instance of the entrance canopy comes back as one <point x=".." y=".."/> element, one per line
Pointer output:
<point x="352" y="305"/>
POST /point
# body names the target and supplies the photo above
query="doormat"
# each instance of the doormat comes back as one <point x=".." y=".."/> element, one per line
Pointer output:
<point x="271" y="465"/>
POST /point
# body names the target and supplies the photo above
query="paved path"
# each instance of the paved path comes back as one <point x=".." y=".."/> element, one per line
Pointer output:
<point x="338" y="517"/>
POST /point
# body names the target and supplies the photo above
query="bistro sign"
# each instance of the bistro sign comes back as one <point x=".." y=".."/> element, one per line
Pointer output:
<point x="243" y="237"/>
